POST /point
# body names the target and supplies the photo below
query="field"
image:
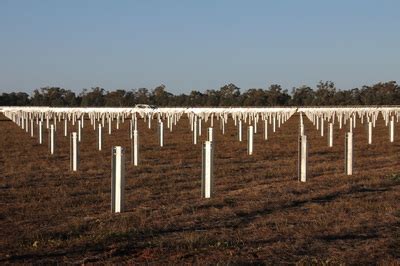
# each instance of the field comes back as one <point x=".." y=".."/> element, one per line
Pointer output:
<point x="259" y="212"/>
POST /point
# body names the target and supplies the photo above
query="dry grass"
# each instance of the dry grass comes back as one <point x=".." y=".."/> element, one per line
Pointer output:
<point x="260" y="212"/>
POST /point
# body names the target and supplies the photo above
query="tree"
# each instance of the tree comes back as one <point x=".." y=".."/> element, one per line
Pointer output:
<point x="383" y="93"/>
<point x="14" y="99"/>
<point x="380" y="94"/>
<point x="130" y="98"/>
<point x="115" y="98"/>
<point x="325" y="93"/>
<point x="53" y="96"/>
<point x="277" y="96"/>
<point x="229" y="95"/>
<point x="196" y="98"/>
<point x="212" y="98"/>
<point x="254" y="97"/>
<point x="302" y="96"/>
<point x="160" y="97"/>
<point x="142" y="96"/>
<point x="95" y="97"/>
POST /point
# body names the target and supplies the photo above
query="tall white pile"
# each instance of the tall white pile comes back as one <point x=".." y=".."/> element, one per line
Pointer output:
<point x="302" y="153"/>
<point x="207" y="173"/>
<point x="250" y="140"/>
<point x="117" y="179"/>
<point x="74" y="152"/>
<point x="349" y="153"/>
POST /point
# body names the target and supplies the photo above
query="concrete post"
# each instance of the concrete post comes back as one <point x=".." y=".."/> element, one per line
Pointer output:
<point x="250" y="139"/>
<point x="117" y="179"/>
<point x="74" y="152"/>
<point x="349" y="153"/>
<point x="302" y="158"/>
<point x="135" y="148"/>
<point x="207" y="174"/>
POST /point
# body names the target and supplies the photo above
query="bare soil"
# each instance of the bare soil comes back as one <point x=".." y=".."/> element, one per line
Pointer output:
<point x="260" y="212"/>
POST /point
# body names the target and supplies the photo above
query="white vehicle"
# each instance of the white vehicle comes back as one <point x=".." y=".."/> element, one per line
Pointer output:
<point x="145" y="106"/>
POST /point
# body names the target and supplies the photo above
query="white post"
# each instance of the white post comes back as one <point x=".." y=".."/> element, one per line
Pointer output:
<point x="99" y="137"/>
<point x="65" y="127"/>
<point x="161" y="133"/>
<point x="265" y="129"/>
<point x="74" y="152"/>
<point x="32" y="127"/>
<point x="301" y="125"/>
<point x="200" y="127"/>
<point x="322" y="127"/>
<point x="369" y="132"/>
<point x="117" y="179"/>
<point x="302" y="158"/>
<point x="351" y="125"/>
<point x="135" y="148"/>
<point x="391" y="129"/>
<point x="207" y="175"/>
<point x="51" y="139"/>
<point x="240" y="134"/>
<point x="330" y="135"/>
<point x="250" y="140"/>
<point x="273" y="124"/>
<point x="210" y="136"/>
<point x="195" y="131"/>
<point x="40" y="132"/>
<point x="79" y="131"/>
<point x="349" y="153"/>
<point x="150" y="117"/>
<point x="130" y="128"/>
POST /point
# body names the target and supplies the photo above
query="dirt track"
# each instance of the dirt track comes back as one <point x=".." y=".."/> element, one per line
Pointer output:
<point x="260" y="212"/>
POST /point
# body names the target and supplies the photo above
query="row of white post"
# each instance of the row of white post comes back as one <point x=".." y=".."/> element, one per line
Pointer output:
<point x="303" y="149"/>
<point x="352" y="124"/>
<point x="118" y="159"/>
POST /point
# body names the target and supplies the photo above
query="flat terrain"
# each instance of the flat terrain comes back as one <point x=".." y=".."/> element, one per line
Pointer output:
<point x="259" y="213"/>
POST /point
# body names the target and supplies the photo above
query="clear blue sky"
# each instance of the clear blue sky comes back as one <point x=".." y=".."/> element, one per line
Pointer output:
<point x="199" y="45"/>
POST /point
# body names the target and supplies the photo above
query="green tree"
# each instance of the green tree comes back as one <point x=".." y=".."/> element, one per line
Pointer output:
<point x="160" y="97"/>
<point x="302" y="96"/>
<point x="95" y="97"/>
<point x="276" y="96"/>
<point x="254" y="97"/>
<point x="115" y="98"/>
<point x="229" y="95"/>
<point x="325" y="93"/>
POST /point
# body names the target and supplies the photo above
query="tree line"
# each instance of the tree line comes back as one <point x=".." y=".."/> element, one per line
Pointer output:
<point x="325" y="94"/>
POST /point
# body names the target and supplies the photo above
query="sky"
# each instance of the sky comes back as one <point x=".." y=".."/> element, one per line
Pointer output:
<point x="197" y="45"/>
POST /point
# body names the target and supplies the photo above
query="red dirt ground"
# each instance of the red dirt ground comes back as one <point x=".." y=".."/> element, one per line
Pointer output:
<point x="260" y="213"/>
